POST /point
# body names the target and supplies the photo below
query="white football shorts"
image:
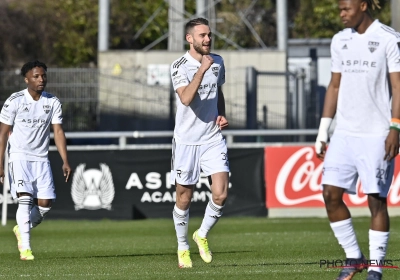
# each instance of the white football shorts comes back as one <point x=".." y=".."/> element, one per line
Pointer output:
<point x="349" y="157"/>
<point x="34" y="177"/>
<point x="189" y="160"/>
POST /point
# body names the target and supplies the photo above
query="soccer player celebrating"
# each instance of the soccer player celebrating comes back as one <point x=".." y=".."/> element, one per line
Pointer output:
<point x="366" y="138"/>
<point x="198" y="144"/>
<point x="26" y="116"/>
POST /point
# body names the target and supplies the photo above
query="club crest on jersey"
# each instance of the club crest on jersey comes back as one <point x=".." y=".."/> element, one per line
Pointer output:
<point x="372" y="46"/>
<point x="215" y="71"/>
<point x="46" y="108"/>
<point x="92" y="189"/>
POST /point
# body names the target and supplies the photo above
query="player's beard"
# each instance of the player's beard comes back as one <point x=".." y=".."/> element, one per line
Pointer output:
<point x="199" y="48"/>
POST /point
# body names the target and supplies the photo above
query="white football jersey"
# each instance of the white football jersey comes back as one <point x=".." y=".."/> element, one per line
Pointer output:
<point x="364" y="61"/>
<point x="30" y="121"/>
<point x="196" y="124"/>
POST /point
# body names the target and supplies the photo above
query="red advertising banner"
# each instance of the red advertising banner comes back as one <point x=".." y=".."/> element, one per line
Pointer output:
<point x="293" y="179"/>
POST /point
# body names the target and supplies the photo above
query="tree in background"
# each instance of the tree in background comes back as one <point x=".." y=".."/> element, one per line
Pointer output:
<point x="320" y="19"/>
<point x="61" y="33"/>
<point x="64" y="33"/>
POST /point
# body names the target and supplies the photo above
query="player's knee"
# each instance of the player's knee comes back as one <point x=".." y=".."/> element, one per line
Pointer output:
<point x="183" y="199"/>
<point x="333" y="198"/>
<point x="219" y="199"/>
<point x="377" y="205"/>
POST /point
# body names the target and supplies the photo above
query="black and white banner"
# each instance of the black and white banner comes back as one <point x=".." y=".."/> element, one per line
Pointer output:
<point x="134" y="184"/>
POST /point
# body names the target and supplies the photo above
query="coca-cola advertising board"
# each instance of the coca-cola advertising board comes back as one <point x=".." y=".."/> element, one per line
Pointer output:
<point x="293" y="179"/>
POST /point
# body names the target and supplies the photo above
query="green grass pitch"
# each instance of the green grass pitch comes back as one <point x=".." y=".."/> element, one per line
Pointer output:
<point x="243" y="248"/>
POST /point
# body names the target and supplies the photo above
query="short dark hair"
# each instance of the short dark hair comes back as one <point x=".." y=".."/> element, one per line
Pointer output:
<point x="194" y="22"/>
<point x="30" y="65"/>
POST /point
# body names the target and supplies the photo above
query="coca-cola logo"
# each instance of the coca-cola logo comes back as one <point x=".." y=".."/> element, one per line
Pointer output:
<point x="298" y="181"/>
<point x="305" y="177"/>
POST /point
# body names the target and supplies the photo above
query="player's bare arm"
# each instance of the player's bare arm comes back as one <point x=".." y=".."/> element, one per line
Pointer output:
<point x="61" y="143"/>
<point x="187" y="94"/>
<point x="392" y="140"/>
<point x="222" y="122"/>
<point x="4" y="132"/>
<point x="328" y="114"/>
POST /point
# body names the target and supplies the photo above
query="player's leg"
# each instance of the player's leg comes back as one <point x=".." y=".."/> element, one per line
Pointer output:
<point x="45" y="192"/>
<point x="214" y="209"/>
<point x="39" y="210"/>
<point x="379" y="232"/>
<point x="21" y="187"/>
<point x="376" y="176"/>
<point x="340" y="221"/>
<point x="215" y="164"/>
<point x="339" y="176"/>
<point x="181" y="221"/>
<point x="184" y="174"/>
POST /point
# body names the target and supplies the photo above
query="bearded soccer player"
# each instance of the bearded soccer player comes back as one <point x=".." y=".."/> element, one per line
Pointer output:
<point x="198" y="144"/>
<point x="26" y="116"/>
<point x="366" y="138"/>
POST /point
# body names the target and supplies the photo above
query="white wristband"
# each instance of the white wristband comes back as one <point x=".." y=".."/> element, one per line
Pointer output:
<point x="322" y="133"/>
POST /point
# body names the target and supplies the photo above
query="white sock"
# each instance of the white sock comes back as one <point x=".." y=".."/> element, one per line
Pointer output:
<point x="377" y="248"/>
<point x="181" y="221"/>
<point x="37" y="214"/>
<point x="346" y="237"/>
<point x="211" y="217"/>
<point x="24" y="208"/>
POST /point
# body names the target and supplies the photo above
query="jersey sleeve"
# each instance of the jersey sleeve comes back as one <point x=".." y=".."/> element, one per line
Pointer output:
<point x="336" y="63"/>
<point x="8" y="112"/>
<point x="221" y="76"/>
<point x="57" y="113"/>
<point x="179" y="76"/>
<point x="393" y="54"/>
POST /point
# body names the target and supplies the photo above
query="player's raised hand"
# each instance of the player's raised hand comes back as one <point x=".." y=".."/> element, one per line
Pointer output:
<point x="67" y="171"/>
<point x="206" y="62"/>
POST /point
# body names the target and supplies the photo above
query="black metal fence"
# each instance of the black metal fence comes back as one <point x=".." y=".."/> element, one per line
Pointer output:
<point x="102" y="100"/>
<point x="76" y="88"/>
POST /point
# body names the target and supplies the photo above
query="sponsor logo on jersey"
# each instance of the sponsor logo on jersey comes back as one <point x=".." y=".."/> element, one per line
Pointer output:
<point x="92" y="189"/>
<point x="34" y="121"/>
<point x="46" y="108"/>
<point x="372" y="46"/>
<point x="205" y="86"/>
<point x="365" y="63"/>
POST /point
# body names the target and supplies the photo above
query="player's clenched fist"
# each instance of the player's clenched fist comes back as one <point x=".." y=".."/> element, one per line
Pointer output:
<point x="206" y="62"/>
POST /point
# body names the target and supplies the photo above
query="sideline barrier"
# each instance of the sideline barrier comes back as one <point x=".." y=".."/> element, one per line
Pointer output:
<point x="293" y="185"/>
<point x="281" y="181"/>
<point x="133" y="184"/>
